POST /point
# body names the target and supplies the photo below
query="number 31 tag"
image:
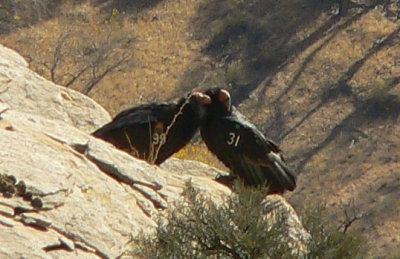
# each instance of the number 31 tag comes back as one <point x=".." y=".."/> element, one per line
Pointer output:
<point x="233" y="139"/>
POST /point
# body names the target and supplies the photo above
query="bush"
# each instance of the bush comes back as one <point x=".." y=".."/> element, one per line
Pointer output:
<point x="331" y="241"/>
<point x="198" y="228"/>
<point x="80" y="54"/>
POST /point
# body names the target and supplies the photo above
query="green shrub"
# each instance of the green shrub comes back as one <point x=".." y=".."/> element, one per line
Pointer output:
<point x="198" y="228"/>
<point x="331" y="241"/>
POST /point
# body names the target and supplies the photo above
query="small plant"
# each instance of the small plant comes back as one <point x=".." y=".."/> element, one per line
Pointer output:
<point x="81" y="54"/>
<point x="198" y="228"/>
<point x="331" y="241"/>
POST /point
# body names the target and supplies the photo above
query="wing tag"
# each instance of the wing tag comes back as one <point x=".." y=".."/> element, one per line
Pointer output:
<point x="233" y="139"/>
<point x="159" y="138"/>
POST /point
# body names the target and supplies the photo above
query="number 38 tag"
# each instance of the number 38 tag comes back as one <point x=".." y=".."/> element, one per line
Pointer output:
<point x="233" y="139"/>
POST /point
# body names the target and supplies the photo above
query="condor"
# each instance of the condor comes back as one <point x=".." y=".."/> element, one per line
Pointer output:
<point x="242" y="147"/>
<point x="155" y="131"/>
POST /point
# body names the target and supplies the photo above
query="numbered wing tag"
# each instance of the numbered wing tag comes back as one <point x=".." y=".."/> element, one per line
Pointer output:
<point x="159" y="138"/>
<point x="233" y="139"/>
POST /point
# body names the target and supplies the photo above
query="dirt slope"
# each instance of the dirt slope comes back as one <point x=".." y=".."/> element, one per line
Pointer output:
<point x="335" y="109"/>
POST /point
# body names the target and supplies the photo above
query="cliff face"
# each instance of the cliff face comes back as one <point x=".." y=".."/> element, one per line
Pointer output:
<point x="66" y="194"/>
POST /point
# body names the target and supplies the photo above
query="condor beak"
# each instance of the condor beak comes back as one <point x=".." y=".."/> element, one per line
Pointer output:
<point x="203" y="98"/>
<point x="225" y="98"/>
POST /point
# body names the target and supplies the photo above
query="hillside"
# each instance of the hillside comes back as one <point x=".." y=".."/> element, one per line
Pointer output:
<point x="335" y="108"/>
<point x="325" y="87"/>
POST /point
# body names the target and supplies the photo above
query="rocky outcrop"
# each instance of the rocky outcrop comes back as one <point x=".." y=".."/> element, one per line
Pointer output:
<point x="66" y="194"/>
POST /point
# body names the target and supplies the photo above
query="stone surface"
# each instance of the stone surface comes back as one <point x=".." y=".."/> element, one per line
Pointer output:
<point x="66" y="194"/>
<point x="278" y="208"/>
<point x="78" y="192"/>
<point x="23" y="90"/>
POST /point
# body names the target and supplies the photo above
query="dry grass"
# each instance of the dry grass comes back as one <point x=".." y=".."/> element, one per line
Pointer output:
<point x="199" y="152"/>
<point x="164" y="49"/>
<point x="342" y="142"/>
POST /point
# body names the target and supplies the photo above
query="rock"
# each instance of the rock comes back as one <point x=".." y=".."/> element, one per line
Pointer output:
<point x="76" y="196"/>
<point x="295" y="235"/>
<point x="23" y="90"/>
<point x="21" y="188"/>
<point x="37" y="203"/>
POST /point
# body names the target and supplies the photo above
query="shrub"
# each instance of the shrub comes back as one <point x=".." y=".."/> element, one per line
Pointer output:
<point x="330" y="241"/>
<point x="80" y="53"/>
<point x="198" y="228"/>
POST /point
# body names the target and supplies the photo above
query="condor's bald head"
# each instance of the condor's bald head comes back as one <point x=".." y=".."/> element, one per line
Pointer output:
<point x="220" y="101"/>
<point x="200" y="97"/>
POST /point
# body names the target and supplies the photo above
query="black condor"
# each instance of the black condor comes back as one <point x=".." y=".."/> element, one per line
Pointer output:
<point x="242" y="147"/>
<point x="155" y="131"/>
